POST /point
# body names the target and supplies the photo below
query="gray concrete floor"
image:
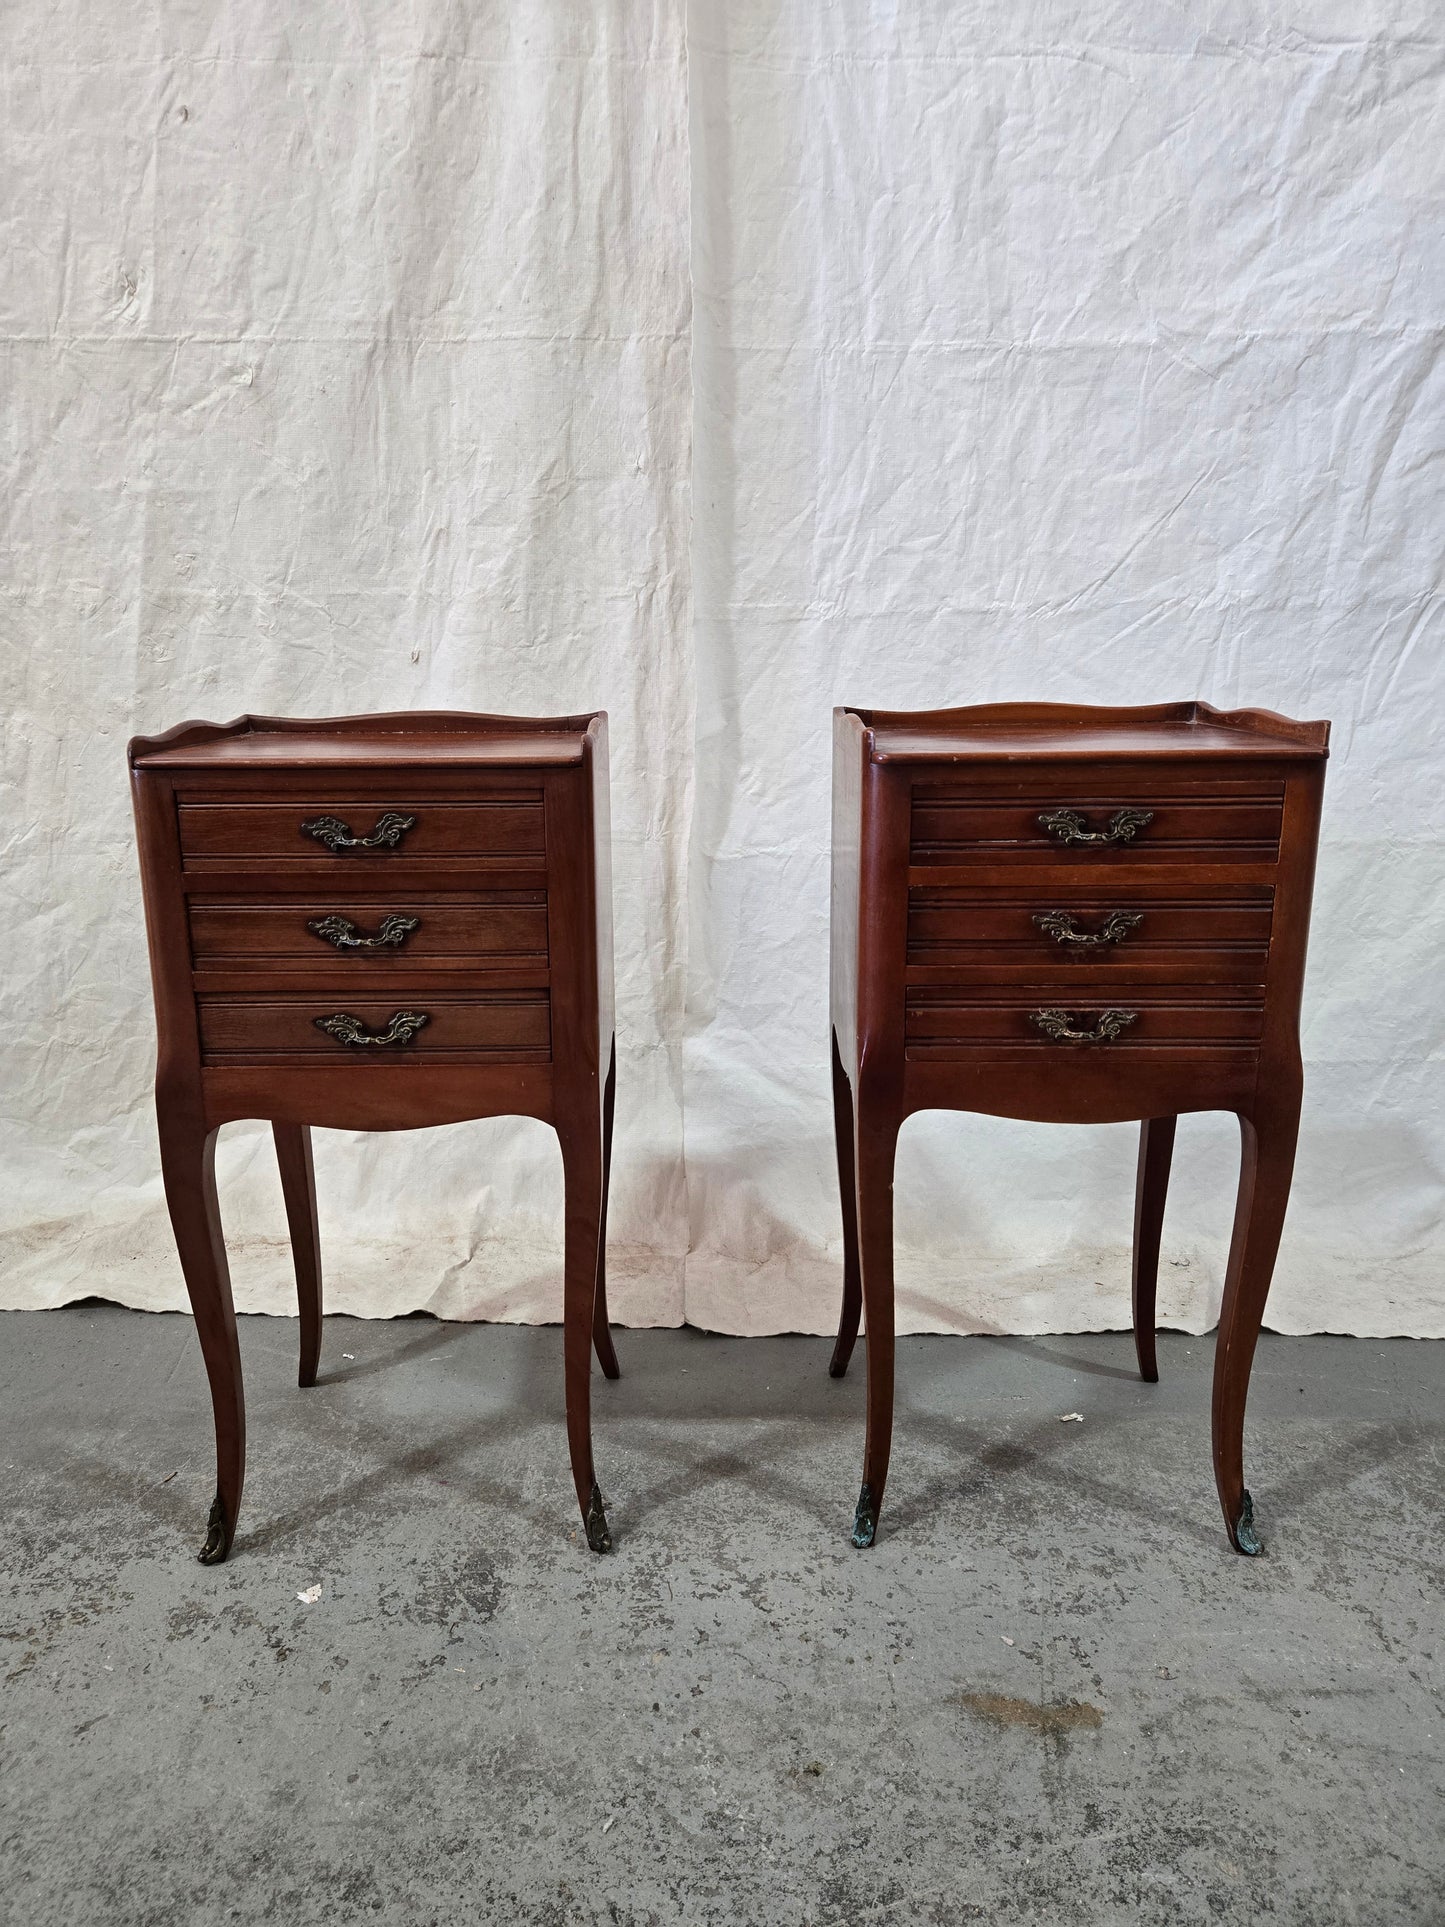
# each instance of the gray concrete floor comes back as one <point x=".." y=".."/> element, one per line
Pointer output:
<point x="1050" y="1693"/>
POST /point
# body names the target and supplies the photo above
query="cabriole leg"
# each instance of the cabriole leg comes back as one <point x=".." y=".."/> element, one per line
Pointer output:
<point x="601" y="1329"/>
<point x="582" y="1165"/>
<point x="848" y="1191"/>
<point x="298" y="1187"/>
<point x="1267" y="1164"/>
<point x="188" y="1165"/>
<point x="1156" y="1149"/>
<point x="877" y="1143"/>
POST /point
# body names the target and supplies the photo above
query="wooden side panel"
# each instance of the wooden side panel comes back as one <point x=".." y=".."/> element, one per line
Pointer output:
<point x="572" y="940"/>
<point x="849" y="754"/>
<point x="598" y="774"/>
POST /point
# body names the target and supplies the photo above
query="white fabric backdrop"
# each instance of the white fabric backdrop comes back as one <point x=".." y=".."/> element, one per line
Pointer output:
<point x="1073" y="351"/>
<point x="346" y="362"/>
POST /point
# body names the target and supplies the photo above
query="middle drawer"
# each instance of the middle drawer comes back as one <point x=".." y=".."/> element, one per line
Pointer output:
<point x="1001" y="935"/>
<point x="399" y="930"/>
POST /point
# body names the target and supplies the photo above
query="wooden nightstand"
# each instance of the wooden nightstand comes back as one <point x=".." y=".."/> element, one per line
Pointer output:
<point x="374" y="923"/>
<point x="1072" y="915"/>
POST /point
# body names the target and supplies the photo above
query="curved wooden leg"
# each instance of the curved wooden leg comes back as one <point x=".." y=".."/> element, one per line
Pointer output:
<point x="298" y="1187"/>
<point x="877" y="1142"/>
<point x="582" y="1166"/>
<point x="601" y="1329"/>
<point x="847" y="1187"/>
<point x="1267" y="1164"/>
<point x="188" y="1164"/>
<point x="1156" y="1149"/>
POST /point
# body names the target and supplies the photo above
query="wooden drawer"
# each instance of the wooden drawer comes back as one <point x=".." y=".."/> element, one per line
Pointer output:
<point x="978" y="828"/>
<point x="365" y="833"/>
<point x="1073" y="932"/>
<point x="511" y="1025"/>
<point x="946" y="1021"/>
<point x="372" y="933"/>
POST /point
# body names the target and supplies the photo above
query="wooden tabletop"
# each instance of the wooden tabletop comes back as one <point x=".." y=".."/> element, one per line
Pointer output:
<point x="334" y="752"/>
<point x="438" y="739"/>
<point x="1008" y="732"/>
<point x="1083" y="745"/>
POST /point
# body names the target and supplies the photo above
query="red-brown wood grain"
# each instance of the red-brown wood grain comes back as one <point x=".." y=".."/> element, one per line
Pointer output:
<point x="493" y="825"/>
<point x="479" y="928"/>
<point x="501" y="873"/>
<point x="949" y="992"/>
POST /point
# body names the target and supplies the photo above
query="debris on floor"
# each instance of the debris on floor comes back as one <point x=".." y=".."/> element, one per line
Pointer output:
<point x="1055" y="1719"/>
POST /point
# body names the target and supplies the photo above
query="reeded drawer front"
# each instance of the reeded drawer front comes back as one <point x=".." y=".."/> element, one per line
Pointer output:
<point x="368" y="1030"/>
<point x="1044" y="1019"/>
<point x="370" y="832"/>
<point x="1076" y="826"/>
<point x="1076" y="930"/>
<point x="411" y="928"/>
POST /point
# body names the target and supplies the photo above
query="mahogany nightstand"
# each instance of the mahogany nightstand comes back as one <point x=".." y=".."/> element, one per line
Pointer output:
<point x="373" y="923"/>
<point x="1072" y="915"/>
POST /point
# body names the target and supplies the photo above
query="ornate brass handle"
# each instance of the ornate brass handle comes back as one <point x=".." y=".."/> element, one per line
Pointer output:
<point x="391" y="827"/>
<point x="1070" y="827"/>
<point x="392" y="932"/>
<point x="1064" y="929"/>
<point x="1061" y="1026"/>
<point x="347" y="1029"/>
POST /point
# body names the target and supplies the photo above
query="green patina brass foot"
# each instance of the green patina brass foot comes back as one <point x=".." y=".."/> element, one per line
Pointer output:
<point x="865" y="1519"/>
<point x="218" y="1535"/>
<point x="598" y="1536"/>
<point x="1246" y="1539"/>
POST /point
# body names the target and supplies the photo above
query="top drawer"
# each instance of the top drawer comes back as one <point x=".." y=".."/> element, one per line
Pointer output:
<point x="1084" y="825"/>
<point x="337" y="830"/>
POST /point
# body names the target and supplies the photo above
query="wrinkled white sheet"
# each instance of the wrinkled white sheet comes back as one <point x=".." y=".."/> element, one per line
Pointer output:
<point x="714" y="371"/>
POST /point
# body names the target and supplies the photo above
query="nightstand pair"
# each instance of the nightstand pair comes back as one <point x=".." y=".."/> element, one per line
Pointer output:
<point x="1039" y="911"/>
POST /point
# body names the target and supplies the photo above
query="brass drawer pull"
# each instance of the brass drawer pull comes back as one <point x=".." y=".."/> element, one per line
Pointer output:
<point x="347" y="1029"/>
<point x="392" y="932"/>
<point x="1070" y="827"/>
<point x="391" y="827"/>
<point x="1060" y="1026"/>
<point x="1064" y="928"/>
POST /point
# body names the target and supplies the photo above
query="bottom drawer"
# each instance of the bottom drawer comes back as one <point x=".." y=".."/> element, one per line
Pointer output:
<point x="511" y="1024"/>
<point x="939" y="1021"/>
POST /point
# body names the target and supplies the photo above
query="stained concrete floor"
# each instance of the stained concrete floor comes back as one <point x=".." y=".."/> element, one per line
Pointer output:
<point x="1050" y="1693"/>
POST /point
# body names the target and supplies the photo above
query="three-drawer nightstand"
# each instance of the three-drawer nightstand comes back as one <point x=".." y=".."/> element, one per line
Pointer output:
<point x="1072" y="915"/>
<point x="376" y="923"/>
